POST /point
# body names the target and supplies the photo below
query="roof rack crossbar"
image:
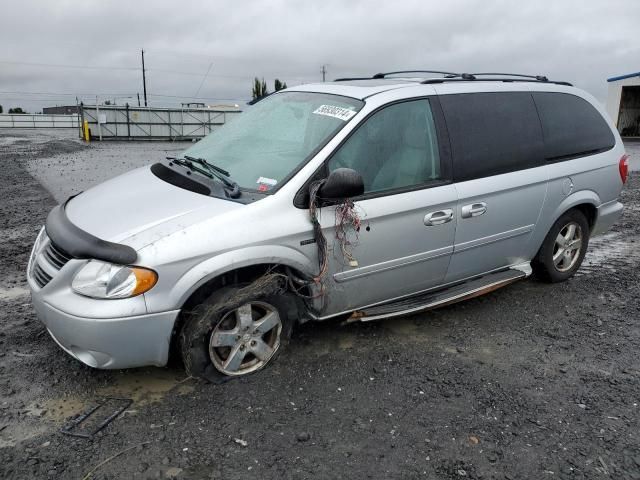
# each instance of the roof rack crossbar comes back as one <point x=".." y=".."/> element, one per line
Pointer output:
<point x="349" y="79"/>
<point x="383" y="75"/>
<point x="540" y="78"/>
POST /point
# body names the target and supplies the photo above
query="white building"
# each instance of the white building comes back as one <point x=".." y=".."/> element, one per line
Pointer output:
<point x="623" y="103"/>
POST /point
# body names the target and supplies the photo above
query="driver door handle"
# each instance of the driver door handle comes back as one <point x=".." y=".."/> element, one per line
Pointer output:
<point x="438" y="218"/>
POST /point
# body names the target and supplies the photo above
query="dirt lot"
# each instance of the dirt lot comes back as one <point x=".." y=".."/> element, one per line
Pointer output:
<point x="532" y="381"/>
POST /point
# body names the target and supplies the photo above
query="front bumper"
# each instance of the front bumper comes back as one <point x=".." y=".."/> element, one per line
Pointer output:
<point x="109" y="343"/>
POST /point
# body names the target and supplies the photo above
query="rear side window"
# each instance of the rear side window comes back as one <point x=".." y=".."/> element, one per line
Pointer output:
<point x="572" y="127"/>
<point x="492" y="133"/>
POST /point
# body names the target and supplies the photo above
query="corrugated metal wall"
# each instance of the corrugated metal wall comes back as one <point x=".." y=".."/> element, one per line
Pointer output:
<point x="28" y="120"/>
<point x="150" y="123"/>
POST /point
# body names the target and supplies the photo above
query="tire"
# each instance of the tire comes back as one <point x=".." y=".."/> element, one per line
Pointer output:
<point x="554" y="261"/>
<point x="235" y="332"/>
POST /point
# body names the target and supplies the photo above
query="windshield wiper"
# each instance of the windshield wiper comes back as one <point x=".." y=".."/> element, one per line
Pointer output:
<point x="208" y="164"/>
<point x="210" y="171"/>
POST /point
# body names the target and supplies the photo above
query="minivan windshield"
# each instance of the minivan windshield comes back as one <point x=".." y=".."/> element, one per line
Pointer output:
<point x="265" y="144"/>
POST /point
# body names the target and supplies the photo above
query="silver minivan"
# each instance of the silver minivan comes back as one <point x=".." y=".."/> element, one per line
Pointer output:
<point x="354" y="200"/>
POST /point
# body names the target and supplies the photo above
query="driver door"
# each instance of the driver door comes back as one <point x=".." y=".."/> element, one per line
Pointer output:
<point x="407" y="216"/>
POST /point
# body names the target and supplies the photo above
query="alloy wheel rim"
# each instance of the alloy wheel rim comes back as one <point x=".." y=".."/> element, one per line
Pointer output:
<point x="567" y="247"/>
<point x="245" y="339"/>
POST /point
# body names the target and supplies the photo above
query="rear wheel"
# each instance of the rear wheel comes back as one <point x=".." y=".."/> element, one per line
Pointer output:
<point x="232" y="334"/>
<point x="564" y="248"/>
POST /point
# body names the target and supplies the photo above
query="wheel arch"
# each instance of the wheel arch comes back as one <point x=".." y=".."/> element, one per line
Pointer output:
<point x="232" y="268"/>
<point x="586" y="201"/>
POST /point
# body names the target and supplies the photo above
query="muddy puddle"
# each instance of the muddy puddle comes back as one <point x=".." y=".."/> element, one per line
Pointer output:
<point x="144" y="387"/>
<point x="609" y="253"/>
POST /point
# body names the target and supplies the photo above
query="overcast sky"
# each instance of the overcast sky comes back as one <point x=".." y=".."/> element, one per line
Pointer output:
<point x="51" y="51"/>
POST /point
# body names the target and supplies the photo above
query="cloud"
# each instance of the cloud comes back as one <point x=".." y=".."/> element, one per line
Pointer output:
<point x="581" y="42"/>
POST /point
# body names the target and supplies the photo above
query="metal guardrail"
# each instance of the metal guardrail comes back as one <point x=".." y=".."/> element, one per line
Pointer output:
<point x="33" y="120"/>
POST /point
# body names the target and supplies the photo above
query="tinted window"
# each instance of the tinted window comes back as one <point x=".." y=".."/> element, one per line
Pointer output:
<point x="395" y="148"/>
<point x="492" y="133"/>
<point x="571" y="126"/>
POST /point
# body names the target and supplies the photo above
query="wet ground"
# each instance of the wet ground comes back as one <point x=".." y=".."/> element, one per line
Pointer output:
<point x="531" y="381"/>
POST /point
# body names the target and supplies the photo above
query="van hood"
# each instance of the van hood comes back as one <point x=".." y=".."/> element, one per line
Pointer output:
<point x="138" y="208"/>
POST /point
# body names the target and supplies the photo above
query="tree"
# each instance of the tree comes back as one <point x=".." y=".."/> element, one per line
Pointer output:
<point x="278" y="85"/>
<point x="16" y="110"/>
<point x="259" y="88"/>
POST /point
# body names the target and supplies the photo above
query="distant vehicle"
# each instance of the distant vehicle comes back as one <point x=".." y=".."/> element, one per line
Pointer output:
<point x="358" y="199"/>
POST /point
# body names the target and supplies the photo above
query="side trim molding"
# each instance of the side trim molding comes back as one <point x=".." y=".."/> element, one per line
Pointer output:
<point x="478" y="242"/>
<point x="392" y="264"/>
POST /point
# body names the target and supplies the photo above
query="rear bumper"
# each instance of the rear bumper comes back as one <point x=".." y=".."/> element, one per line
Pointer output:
<point x="109" y="343"/>
<point x="608" y="214"/>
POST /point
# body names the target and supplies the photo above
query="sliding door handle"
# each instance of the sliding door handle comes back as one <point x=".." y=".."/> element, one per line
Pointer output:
<point x="473" y="210"/>
<point x="438" y="218"/>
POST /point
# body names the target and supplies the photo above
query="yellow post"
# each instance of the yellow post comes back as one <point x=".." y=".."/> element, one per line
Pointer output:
<point x="85" y="131"/>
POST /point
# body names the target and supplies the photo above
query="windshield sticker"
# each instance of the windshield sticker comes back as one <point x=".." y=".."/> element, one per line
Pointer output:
<point x="341" y="113"/>
<point x="267" y="181"/>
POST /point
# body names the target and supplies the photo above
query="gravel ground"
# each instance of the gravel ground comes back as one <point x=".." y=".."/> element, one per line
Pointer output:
<point x="531" y="381"/>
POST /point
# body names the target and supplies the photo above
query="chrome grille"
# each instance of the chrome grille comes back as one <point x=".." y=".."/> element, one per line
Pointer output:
<point x="48" y="260"/>
<point x="56" y="256"/>
<point x="40" y="276"/>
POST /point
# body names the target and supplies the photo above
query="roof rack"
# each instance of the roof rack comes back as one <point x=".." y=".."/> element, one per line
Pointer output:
<point x="473" y="77"/>
<point x="458" y="77"/>
<point x="349" y="79"/>
<point x="383" y="75"/>
<point x="540" y="78"/>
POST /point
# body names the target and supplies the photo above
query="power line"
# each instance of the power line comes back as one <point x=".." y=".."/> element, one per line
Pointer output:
<point x="57" y="65"/>
<point x="137" y="69"/>
<point x="204" y="78"/>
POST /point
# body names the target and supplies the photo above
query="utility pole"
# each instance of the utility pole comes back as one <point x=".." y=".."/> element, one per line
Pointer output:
<point x="138" y="99"/>
<point x="324" y="72"/>
<point x="144" y="80"/>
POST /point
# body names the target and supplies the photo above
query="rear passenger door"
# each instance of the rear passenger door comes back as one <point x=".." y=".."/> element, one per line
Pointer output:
<point x="501" y="183"/>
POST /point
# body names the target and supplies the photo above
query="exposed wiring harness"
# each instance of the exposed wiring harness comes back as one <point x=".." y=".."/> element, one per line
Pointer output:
<point x="321" y="241"/>
<point x="347" y="218"/>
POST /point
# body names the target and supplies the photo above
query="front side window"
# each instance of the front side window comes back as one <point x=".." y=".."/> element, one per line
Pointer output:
<point x="395" y="148"/>
<point x="270" y="140"/>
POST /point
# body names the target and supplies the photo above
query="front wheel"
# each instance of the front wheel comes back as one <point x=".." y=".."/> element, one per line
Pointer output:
<point x="234" y="333"/>
<point x="564" y="248"/>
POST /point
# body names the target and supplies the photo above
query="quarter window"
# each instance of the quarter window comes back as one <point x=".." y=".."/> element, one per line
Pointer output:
<point x="492" y="133"/>
<point x="395" y="148"/>
<point x="571" y="126"/>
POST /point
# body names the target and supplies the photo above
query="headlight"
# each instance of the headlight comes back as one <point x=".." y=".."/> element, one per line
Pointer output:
<point x="106" y="280"/>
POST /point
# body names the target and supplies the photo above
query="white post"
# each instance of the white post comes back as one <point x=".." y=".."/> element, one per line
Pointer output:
<point x="98" y="119"/>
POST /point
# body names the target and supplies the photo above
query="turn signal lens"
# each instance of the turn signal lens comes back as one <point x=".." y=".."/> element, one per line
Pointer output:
<point x="623" y="166"/>
<point x="145" y="280"/>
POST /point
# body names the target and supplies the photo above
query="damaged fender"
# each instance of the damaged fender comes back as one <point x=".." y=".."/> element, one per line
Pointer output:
<point x="227" y="262"/>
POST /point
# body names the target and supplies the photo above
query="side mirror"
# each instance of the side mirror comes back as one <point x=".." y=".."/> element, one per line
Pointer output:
<point x="342" y="183"/>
